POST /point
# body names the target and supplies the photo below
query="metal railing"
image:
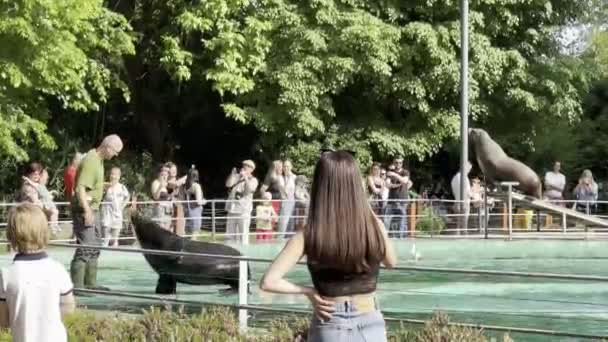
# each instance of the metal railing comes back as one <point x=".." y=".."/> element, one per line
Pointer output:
<point x="243" y="305"/>
<point x="497" y="328"/>
<point x="500" y="220"/>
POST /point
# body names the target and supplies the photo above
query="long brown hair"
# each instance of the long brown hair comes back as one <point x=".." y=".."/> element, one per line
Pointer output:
<point x="341" y="229"/>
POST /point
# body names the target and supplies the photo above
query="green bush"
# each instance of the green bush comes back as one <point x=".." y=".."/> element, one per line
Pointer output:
<point x="430" y="222"/>
<point x="220" y="324"/>
<point x="439" y="330"/>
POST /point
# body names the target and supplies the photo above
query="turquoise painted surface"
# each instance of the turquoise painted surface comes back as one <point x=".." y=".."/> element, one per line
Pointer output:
<point x="573" y="306"/>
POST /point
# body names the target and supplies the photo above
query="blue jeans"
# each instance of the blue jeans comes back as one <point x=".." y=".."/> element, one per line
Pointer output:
<point x="395" y="220"/>
<point x="286" y="222"/>
<point x="193" y="219"/>
<point x="348" y="325"/>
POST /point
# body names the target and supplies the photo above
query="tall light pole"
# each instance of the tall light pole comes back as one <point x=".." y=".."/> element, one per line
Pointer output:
<point x="464" y="96"/>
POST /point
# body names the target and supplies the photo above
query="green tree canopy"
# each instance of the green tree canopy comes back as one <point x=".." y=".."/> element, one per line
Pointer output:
<point x="54" y="52"/>
<point x="288" y="77"/>
<point x="385" y="73"/>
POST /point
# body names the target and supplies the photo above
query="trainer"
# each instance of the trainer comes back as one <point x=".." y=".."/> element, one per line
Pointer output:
<point x="88" y="192"/>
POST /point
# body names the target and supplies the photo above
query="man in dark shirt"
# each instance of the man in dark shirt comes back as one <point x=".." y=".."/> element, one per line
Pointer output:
<point x="399" y="184"/>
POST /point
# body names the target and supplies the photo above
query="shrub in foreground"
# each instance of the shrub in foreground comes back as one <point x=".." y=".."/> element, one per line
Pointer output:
<point x="220" y="324"/>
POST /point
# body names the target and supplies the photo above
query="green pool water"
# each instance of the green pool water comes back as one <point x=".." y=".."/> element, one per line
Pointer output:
<point x="572" y="306"/>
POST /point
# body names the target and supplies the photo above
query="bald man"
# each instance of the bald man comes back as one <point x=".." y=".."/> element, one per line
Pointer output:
<point x="88" y="192"/>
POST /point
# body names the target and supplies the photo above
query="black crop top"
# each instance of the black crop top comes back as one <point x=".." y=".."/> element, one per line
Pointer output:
<point x="332" y="282"/>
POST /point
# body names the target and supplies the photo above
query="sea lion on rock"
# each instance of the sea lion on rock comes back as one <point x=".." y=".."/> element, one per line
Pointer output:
<point x="496" y="165"/>
<point x="192" y="270"/>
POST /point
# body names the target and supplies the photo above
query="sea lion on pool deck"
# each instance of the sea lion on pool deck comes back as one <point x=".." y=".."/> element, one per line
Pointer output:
<point x="192" y="270"/>
<point x="496" y="165"/>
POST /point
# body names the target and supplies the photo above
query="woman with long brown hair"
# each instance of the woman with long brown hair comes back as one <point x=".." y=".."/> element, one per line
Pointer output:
<point x="344" y="244"/>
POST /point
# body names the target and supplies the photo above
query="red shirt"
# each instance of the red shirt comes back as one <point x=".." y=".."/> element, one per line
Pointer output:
<point x="69" y="176"/>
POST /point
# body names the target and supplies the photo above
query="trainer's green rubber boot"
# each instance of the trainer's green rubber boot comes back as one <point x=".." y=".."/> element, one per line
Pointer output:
<point x="90" y="277"/>
<point x="77" y="273"/>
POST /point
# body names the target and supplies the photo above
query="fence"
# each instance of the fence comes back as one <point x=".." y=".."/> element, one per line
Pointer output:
<point x="497" y="219"/>
<point x="243" y="305"/>
<point x="501" y="220"/>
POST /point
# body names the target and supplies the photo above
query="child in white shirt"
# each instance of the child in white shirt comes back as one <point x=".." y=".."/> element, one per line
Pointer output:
<point x="114" y="202"/>
<point x="35" y="290"/>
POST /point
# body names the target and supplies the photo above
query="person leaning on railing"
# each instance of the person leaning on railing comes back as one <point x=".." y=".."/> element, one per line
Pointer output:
<point x="586" y="193"/>
<point x="344" y="244"/>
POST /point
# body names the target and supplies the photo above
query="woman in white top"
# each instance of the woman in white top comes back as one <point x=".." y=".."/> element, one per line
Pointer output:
<point x="193" y="208"/>
<point x="163" y="208"/>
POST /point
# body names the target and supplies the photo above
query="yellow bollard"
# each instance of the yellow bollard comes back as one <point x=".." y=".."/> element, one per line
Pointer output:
<point x="523" y="219"/>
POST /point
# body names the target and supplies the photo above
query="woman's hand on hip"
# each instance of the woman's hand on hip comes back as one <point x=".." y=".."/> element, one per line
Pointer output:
<point x="323" y="308"/>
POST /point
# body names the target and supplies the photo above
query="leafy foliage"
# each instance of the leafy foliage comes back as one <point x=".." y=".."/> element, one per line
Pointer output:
<point x="388" y="74"/>
<point x="438" y="329"/>
<point x="220" y="324"/>
<point x="430" y="222"/>
<point x="380" y="78"/>
<point x="385" y="74"/>
<point x="61" y="52"/>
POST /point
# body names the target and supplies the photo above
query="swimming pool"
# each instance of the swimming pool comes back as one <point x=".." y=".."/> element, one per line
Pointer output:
<point x="564" y="305"/>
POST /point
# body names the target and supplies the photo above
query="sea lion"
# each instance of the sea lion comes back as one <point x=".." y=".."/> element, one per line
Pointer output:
<point x="185" y="269"/>
<point x="496" y="165"/>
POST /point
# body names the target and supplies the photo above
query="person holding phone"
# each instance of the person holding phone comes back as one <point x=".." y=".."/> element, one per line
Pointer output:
<point x="241" y="186"/>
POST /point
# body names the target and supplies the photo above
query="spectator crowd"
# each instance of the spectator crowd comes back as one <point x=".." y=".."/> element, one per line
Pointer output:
<point x="277" y="203"/>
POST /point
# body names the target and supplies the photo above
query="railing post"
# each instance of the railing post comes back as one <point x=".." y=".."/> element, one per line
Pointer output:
<point x="510" y="211"/>
<point x="486" y="219"/>
<point x="213" y="220"/>
<point x="564" y="224"/>
<point x="479" y="220"/>
<point x="243" y="282"/>
<point x="413" y="211"/>
<point x="510" y="205"/>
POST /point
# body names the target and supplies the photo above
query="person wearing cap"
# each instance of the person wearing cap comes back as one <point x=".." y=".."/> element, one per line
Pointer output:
<point x="88" y="193"/>
<point x="241" y="187"/>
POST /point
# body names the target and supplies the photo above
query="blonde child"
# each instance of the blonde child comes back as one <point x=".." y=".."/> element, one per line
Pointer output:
<point x="265" y="217"/>
<point x="115" y="200"/>
<point x="46" y="199"/>
<point x="35" y="290"/>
